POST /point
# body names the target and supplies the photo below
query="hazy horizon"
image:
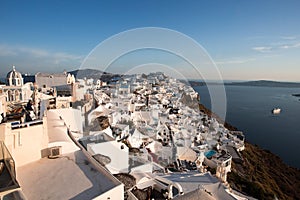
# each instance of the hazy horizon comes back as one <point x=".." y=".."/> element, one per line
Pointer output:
<point x="3" y="78"/>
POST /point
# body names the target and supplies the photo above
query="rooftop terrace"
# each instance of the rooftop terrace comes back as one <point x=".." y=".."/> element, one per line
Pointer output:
<point x="78" y="178"/>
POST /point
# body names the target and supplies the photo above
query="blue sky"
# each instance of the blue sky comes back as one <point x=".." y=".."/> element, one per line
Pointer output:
<point x="247" y="40"/>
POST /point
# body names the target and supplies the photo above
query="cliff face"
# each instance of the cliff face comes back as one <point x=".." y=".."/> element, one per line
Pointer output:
<point x="263" y="175"/>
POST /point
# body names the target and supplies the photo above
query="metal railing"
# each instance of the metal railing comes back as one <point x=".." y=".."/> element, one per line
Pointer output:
<point x="9" y="163"/>
<point x="27" y="124"/>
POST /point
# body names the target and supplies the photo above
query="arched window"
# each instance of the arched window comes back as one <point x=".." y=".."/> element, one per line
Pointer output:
<point x="9" y="95"/>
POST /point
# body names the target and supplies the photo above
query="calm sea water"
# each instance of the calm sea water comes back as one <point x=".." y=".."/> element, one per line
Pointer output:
<point x="249" y="109"/>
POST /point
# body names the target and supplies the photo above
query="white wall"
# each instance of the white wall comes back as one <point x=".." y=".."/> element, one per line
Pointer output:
<point x="119" y="157"/>
<point x="57" y="131"/>
<point x="143" y="168"/>
<point x="25" y="144"/>
<point x="115" y="193"/>
<point x="72" y="118"/>
<point x="3" y="104"/>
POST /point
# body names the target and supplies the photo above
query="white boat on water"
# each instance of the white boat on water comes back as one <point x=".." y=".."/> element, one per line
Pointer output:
<point x="276" y="111"/>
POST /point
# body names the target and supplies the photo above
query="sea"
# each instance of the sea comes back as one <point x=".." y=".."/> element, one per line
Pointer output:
<point x="249" y="109"/>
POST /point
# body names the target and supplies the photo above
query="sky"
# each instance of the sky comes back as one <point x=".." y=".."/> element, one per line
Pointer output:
<point x="247" y="40"/>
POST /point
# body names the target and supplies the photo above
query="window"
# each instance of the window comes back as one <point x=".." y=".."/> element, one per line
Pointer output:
<point x="227" y="163"/>
<point x="175" y="191"/>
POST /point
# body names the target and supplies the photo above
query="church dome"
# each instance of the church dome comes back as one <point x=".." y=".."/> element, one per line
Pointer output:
<point x="14" y="77"/>
<point x="13" y="74"/>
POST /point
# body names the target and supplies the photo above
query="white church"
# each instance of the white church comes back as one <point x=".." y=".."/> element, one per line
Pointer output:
<point x="15" y="89"/>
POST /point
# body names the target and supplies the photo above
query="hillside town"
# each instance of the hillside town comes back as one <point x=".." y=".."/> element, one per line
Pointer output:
<point x="139" y="136"/>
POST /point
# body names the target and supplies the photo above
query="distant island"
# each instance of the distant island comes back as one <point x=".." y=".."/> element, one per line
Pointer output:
<point x="259" y="83"/>
<point x="265" y="83"/>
